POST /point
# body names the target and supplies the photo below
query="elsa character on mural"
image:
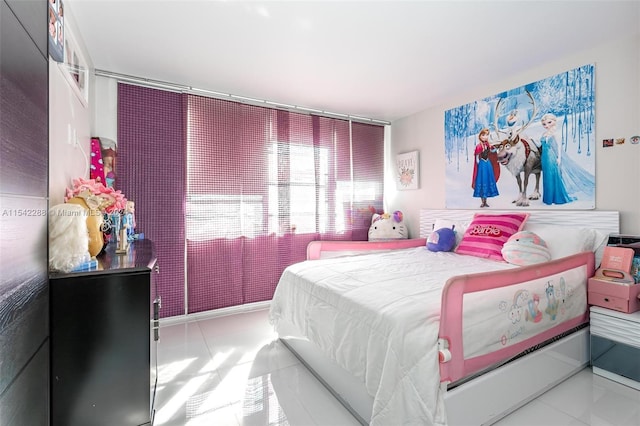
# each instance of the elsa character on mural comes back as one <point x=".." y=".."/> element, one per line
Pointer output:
<point x="562" y="177"/>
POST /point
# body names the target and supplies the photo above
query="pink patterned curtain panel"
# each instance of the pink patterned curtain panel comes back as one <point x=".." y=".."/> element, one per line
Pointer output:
<point x="151" y="171"/>
<point x="246" y="187"/>
<point x="262" y="184"/>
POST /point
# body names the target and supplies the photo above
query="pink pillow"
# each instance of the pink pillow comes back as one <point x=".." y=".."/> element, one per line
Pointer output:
<point x="487" y="233"/>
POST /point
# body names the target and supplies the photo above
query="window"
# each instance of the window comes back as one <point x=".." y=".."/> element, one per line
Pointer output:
<point x="213" y="216"/>
<point x="255" y="187"/>
<point x="261" y="184"/>
<point x="297" y="189"/>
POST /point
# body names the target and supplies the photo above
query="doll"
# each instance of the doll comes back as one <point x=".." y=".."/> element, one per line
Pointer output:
<point x="129" y="220"/>
<point x="108" y="160"/>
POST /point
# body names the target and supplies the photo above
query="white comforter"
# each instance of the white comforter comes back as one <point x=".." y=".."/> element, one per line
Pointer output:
<point x="377" y="316"/>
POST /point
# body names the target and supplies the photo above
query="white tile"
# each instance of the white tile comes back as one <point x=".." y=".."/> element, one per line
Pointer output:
<point x="232" y="371"/>
<point x="323" y="407"/>
<point x="537" y="413"/>
<point x="242" y="334"/>
<point x="233" y="383"/>
<point x="255" y="322"/>
<point x="296" y="398"/>
<point x="264" y="399"/>
<point x="181" y="342"/>
<point x="237" y="350"/>
<point x="188" y="401"/>
<point x="573" y="396"/>
<point x="608" y="385"/>
<point x="595" y="400"/>
<point x="271" y="357"/>
<point x="274" y="399"/>
<point x="177" y="333"/>
<point x="613" y="409"/>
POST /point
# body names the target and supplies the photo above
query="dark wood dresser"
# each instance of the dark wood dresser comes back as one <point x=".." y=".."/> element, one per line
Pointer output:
<point x="104" y="333"/>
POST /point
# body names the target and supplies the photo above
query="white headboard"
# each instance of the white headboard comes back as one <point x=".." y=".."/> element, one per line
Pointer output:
<point x="603" y="220"/>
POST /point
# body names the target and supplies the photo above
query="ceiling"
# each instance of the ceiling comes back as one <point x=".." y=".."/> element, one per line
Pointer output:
<point x="377" y="59"/>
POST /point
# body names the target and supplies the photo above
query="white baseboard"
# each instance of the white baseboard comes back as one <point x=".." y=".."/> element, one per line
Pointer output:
<point x="248" y="307"/>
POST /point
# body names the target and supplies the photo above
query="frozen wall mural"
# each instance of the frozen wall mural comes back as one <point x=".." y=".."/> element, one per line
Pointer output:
<point x="532" y="147"/>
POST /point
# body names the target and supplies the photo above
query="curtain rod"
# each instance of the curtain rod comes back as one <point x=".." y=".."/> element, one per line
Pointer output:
<point x="219" y="95"/>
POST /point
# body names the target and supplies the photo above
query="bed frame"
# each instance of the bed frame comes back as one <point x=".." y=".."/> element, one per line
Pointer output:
<point x="484" y="398"/>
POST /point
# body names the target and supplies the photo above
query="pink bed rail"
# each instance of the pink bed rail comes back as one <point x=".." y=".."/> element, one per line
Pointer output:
<point x="453" y="365"/>
<point x="316" y="248"/>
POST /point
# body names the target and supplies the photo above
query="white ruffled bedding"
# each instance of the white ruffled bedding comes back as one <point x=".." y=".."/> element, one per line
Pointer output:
<point x="377" y="316"/>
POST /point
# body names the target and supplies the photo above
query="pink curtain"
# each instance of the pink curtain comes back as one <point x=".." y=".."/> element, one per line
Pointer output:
<point x="151" y="171"/>
<point x="262" y="184"/>
<point x="246" y="187"/>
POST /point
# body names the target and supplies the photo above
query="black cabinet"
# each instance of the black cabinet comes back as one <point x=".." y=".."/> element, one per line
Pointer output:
<point x="621" y="240"/>
<point x="103" y="341"/>
<point x="24" y="153"/>
<point x="24" y="107"/>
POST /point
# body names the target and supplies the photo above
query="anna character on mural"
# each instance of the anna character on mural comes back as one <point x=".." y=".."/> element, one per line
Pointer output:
<point x="486" y="170"/>
<point x="562" y="177"/>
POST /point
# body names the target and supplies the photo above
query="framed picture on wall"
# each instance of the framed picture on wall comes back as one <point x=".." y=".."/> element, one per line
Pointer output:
<point x="56" y="30"/>
<point x="407" y="170"/>
<point x="538" y="138"/>
<point x="75" y="68"/>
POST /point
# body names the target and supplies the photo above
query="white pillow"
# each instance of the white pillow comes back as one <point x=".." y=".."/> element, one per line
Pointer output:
<point x="564" y="241"/>
<point x="460" y="228"/>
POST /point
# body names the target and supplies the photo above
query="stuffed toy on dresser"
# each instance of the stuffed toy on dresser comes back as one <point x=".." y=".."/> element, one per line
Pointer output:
<point x="387" y="226"/>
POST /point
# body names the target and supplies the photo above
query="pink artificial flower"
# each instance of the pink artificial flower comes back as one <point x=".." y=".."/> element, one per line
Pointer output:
<point x="119" y="202"/>
<point x="110" y="199"/>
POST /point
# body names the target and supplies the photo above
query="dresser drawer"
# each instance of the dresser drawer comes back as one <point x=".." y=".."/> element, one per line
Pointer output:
<point x="623" y="298"/>
<point x="617" y="326"/>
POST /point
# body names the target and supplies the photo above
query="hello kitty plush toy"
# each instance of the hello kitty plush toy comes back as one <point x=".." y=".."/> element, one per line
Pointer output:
<point x="387" y="226"/>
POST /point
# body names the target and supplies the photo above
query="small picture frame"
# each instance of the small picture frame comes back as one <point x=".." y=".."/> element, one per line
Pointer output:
<point x="75" y="68"/>
<point x="407" y="170"/>
<point x="56" y="30"/>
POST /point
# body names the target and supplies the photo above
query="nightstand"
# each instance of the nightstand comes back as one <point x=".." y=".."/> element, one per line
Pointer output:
<point x="615" y="345"/>
<point x="104" y="338"/>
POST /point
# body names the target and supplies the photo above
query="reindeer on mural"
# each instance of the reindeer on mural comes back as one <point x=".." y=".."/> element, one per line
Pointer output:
<point x="520" y="155"/>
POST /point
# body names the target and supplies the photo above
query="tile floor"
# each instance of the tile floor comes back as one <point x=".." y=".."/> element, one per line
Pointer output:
<point x="231" y="370"/>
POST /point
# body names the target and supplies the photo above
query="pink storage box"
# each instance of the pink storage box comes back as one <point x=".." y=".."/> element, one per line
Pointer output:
<point x="622" y="298"/>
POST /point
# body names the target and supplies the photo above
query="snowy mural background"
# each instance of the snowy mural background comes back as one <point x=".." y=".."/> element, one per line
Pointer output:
<point x="568" y="95"/>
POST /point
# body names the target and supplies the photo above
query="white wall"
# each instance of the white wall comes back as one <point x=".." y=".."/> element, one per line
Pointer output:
<point x="617" y="70"/>
<point x="617" y="115"/>
<point x="105" y="120"/>
<point x="69" y="122"/>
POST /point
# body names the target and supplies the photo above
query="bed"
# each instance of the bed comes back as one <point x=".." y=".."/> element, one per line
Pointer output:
<point x="382" y="324"/>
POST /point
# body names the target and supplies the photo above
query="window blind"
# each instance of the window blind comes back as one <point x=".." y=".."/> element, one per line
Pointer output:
<point x="242" y="188"/>
<point x="151" y="171"/>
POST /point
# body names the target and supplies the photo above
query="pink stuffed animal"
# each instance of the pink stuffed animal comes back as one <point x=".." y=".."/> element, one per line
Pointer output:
<point x="525" y="248"/>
